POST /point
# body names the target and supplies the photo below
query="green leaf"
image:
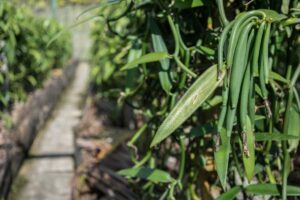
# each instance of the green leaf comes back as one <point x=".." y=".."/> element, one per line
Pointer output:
<point x="151" y="57"/>
<point x="271" y="189"/>
<point x="275" y="16"/>
<point x="274" y="137"/>
<point x="260" y="189"/>
<point x="291" y="21"/>
<point x="206" y="50"/>
<point x="230" y="194"/>
<point x="131" y="81"/>
<point x="154" y="175"/>
<point x="222" y="157"/>
<point x="160" y="46"/>
<point x="258" y="90"/>
<point x="32" y="80"/>
<point x="249" y="162"/>
<point x="293" y="128"/>
<point x="278" y="77"/>
<point x="214" y="101"/>
<point x="198" y="93"/>
<point x="259" y="117"/>
<point x="184" y="4"/>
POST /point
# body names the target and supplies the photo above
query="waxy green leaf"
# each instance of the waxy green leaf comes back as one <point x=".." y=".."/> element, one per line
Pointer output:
<point x="271" y="189"/>
<point x="131" y="81"/>
<point x="230" y="194"/>
<point x="214" y="101"/>
<point x="293" y="128"/>
<point x="201" y="89"/>
<point x="249" y="161"/>
<point x="259" y="189"/>
<point x="151" y="57"/>
<point x="184" y="4"/>
<point x="160" y="46"/>
<point x="273" y="15"/>
<point x="274" y="137"/>
<point x="278" y="77"/>
<point x="154" y="175"/>
<point x="291" y="21"/>
<point x="222" y="157"/>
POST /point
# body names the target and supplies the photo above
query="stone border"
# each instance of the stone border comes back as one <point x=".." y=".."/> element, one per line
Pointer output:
<point x="27" y="119"/>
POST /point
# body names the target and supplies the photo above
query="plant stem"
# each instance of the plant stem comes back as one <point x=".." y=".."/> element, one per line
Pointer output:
<point x="182" y="158"/>
<point x="222" y="12"/>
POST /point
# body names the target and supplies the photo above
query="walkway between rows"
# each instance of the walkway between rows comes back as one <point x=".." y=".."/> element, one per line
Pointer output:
<point x="47" y="173"/>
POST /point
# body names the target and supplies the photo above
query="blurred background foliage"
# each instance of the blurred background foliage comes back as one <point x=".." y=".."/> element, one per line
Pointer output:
<point x="25" y="59"/>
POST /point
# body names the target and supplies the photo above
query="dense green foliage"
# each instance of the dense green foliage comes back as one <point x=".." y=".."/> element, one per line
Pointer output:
<point x="25" y="60"/>
<point x="204" y="75"/>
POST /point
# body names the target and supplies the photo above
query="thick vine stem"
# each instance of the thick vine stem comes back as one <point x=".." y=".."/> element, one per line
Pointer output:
<point x="144" y="160"/>
<point x="222" y="12"/>
<point x="221" y="46"/>
<point x="183" y="67"/>
<point x="175" y="35"/>
<point x="182" y="159"/>
<point x="177" y="46"/>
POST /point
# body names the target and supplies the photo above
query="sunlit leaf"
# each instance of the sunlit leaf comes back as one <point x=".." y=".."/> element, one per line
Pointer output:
<point x="222" y="157"/>
<point x="151" y="57"/>
<point x="291" y="21"/>
<point x="274" y="137"/>
<point x="272" y="14"/>
<point x="201" y="89"/>
<point x="160" y="46"/>
<point x="184" y="4"/>
<point x="154" y="175"/>
<point x="134" y="53"/>
<point x="230" y="194"/>
<point x="271" y="189"/>
<point x="293" y="128"/>
<point x="278" y="77"/>
<point x="249" y="161"/>
<point x="214" y="101"/>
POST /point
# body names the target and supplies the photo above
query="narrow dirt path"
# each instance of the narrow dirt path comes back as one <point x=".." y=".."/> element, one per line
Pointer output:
<point x="48" y="172"/>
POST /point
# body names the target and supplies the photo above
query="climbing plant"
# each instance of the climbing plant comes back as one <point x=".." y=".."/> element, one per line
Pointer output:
<point x="216" y="84"/>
